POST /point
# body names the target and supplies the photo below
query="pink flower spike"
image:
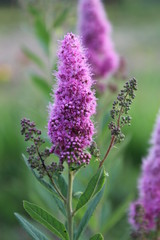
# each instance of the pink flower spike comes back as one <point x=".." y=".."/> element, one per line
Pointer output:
<point x="149" y="182"/>
<point x="95" y="29"/>
<point x="70" y="128"/>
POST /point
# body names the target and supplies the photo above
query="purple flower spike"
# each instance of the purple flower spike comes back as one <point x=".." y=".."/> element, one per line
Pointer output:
<point x="149" y="183"/>
<point x="70" y="128"/>
<point x="95" y="29"/>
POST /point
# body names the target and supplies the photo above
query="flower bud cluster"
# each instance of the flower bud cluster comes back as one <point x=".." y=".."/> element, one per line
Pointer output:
<point x="140" y="223"/>
<point x="120" y="108"/>
<point x="94" y="150"/>
<point x="37" y="156"/>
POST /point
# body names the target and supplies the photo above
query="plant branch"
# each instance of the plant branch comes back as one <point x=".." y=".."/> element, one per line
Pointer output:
<point x="108" y="150"/>
<point x="50" y="177"/>
<point x="113" y="137"/>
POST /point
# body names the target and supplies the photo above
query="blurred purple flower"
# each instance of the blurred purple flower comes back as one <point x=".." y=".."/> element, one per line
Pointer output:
<point x="95" y="29"/>
<point x="149" y="183"/>
<point x="70" y="128"/>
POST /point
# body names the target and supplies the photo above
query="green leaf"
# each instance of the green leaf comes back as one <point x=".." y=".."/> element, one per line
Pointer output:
<point x="101" y="181"/>
<point x="41" y="31"/>
<point x="92" y="206"/>
<point x="77" y="194"/>
<point x="60" y="206"/>
<point x="61" y="183"/>
<point x="61" y="18"/>
<point x="56" y="197"/>
<point x="116" y="215"/>
<point x="47" y="220"/>
<point x="42" y="84"/>
<point x="48" y="186"/>
<point x="98" y="236"/>
<point x="27" y="163"/>
<point x="33" y="57"/>
<point x="32" y="10"/>
<point x="30" y="229"/>
<point x="42" y="34"/>
<point x="94" y="186"/>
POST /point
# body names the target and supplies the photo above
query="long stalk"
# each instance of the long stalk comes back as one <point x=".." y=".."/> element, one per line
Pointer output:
<point x="69" y="203"/>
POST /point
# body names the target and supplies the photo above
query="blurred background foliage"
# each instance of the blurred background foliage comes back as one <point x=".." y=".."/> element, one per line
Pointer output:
<point x="28" y="43"/>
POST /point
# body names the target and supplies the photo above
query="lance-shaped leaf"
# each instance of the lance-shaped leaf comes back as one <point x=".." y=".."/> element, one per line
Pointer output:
<point x="94" y="186"/>
<point x="42" y="34"/>
<point x="61" y="183"/>
<point x="92" y="206"/>
<point x="46" y="219"/>
<point x="101" y="182"/>
<point x="98" y="236"/>
<point x="30" y="229"/>
<point x="33" y="11"/>
<point x="61" y="206"/>
<point x="42" y="84"/>
<point x="61" y="18"/>
<point x="48" y="186"/>
<point x="41" y="31"/>
<point x="33" y="57"/>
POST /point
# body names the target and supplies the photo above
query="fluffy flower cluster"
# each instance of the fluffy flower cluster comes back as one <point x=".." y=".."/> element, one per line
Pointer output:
<point x="95" y="30"/>
<point x="149" y="184"/>
<point x="70" y="128"/>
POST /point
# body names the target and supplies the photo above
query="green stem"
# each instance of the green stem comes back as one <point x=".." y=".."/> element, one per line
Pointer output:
<point x="69" y="203"/>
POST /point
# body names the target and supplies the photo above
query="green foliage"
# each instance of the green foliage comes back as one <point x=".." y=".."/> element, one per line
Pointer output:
<point x="47" y="220"/>
<point x="33" y="11"/>
<point x="49" y="186"/>
<point x="30" y="229"/>
<point x="77" y="195"/>
<point x="94" y="186"/>
<point x="61" y="183"/>
<point x="116" y="215"/>
<point x="46" y="184"/>
<point x="43" y="35"/>
<point x="41" y="31"/>
<point x="61" y="18"/>
<point x="91" y="208"/>
<point x="98" y="236"/>
<point x="42" y="84"/>
<point x="33" y="57"/>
